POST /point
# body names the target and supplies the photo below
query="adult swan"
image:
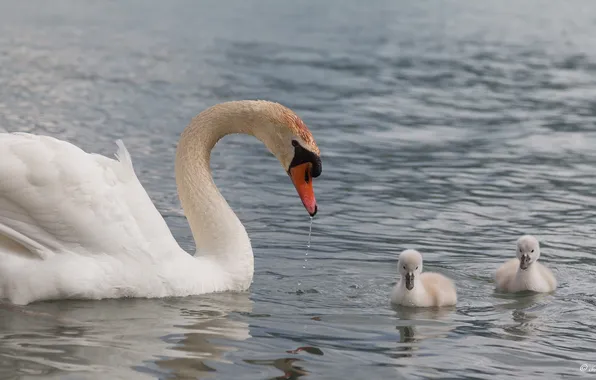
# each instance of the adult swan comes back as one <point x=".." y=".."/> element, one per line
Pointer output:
<point x="79" y="225"/>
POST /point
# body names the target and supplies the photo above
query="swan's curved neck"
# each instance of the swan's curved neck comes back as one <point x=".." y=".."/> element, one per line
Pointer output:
<point x="217" y="232"/>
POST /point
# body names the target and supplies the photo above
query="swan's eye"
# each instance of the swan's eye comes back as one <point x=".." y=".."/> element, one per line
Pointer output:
<point x="532" y="251"/>
<point x="294" y="143"/>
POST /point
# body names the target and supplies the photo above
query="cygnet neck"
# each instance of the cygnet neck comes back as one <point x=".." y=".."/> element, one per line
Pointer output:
<point x="417" y="284"/>
<point x="528" y="271"/>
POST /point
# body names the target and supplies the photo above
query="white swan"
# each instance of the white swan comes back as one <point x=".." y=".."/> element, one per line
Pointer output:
<point x="421" y="289"/>
<point x="79" y="225"/>
<point x="524" y="272"/>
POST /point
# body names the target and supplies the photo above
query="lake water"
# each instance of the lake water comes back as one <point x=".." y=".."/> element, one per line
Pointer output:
<point x="452" y="127"/>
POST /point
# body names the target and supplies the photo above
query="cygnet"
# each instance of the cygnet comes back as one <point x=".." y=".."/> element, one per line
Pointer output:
<point x="419" y="289"/>
<point x="525" y="272"/>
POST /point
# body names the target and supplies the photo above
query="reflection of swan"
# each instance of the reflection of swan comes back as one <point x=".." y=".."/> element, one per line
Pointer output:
<point x="418" y="324"/>
<point x="290" y="370"/>
<point x="522" y="327"/>
<point x="173" y="338"/>
<point x="525" y="272"/>
<point x="421" y="314"/>
<point x="528" y="311"/>
<point x="78" y="225"/>
<point x="197" y="343"/>
<point x="419" y="289"/>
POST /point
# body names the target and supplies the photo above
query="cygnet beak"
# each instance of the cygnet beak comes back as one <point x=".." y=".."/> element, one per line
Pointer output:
<point x="524" y="262"/>
<point x="409" y="280"/>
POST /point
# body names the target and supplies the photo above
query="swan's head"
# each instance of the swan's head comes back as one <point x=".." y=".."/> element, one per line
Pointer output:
<point x="279" y="128"/>
<point x="410" y="266"/>
<point x="288" y="138"/>
<point x="528" y="251"/>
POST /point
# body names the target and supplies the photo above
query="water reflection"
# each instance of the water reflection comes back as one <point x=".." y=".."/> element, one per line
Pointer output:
<point x="309" y="349"/>
<point x="466" y="126"/>
<point x="286" y="365"/>
<point x="423" y="313"/>
<point x="418" y="324"/>
<point x="199" y="343"/>
<point x="183" y="336"/>
<point x="524" y="308"/>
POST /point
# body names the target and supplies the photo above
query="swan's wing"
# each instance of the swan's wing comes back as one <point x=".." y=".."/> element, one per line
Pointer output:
<point x="440" y="288"/>
<point x="548" y="276"/>
<point x="506" y="272"/>
<point x="54" y="197"/>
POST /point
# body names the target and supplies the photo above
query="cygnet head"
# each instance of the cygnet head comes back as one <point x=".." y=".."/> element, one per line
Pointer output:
<point x="528" y="251"/>
<point x="409" y="266"/>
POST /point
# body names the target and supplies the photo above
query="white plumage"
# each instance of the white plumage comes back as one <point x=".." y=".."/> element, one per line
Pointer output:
<point x="525" y="273"/>
<point x="417" y="289"/>
<point x="79" y="225"/>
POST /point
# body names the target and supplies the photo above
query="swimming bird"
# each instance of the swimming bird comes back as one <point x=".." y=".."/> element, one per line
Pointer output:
<point x="79" y="225"/>
<point x="525" y="272"/>
<point x="421" y="289"/>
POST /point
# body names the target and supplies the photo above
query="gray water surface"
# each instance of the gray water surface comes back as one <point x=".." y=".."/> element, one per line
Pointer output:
<point x="452" y="127"/>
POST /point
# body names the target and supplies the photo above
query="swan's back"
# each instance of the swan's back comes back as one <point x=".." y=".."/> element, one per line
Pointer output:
<point x="56" y="198"/>
<point x="439" y="288"/>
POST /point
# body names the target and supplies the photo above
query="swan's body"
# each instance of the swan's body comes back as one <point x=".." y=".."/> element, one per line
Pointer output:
<point x="525" y="273"/>
<point x="79" y="225"/>
<point x="419" y="289"/>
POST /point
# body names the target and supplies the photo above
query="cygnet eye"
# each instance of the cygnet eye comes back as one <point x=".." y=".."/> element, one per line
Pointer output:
<point x="532" y="251"/>
<point x="404" y="267"/>
<point x="416" y="267"/>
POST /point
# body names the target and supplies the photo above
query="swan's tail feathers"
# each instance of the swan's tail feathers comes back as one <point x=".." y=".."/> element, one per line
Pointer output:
<point x="123" y="156"/>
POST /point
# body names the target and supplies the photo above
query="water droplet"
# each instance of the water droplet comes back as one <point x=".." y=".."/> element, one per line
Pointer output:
<point x="309" y="235"/>
<point x="307" y="246"/>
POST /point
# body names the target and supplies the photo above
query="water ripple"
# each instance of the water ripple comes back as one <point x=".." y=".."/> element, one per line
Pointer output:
<point x="452" y="128"/>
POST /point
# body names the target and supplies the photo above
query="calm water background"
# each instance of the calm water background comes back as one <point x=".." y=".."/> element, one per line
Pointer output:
<point x="451" y="127"/>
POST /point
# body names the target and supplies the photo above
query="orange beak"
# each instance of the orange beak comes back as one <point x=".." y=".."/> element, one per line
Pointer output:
<point x="302" y="179"/>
